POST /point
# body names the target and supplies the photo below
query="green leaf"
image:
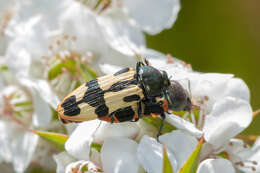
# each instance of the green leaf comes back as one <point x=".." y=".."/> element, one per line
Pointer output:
<point x="167" y="167"/>
<point x="87" y="72"/>
<point x="191" y="164"/>
<point x="55" y="138"/>
<point x="156" y="122"/>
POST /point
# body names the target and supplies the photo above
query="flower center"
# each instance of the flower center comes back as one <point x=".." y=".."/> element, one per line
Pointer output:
<point x="66" y="68"/>
<point x="17" y="106"/>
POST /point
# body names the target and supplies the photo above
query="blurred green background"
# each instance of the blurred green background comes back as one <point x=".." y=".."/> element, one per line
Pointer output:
<point x="217" y="36"/>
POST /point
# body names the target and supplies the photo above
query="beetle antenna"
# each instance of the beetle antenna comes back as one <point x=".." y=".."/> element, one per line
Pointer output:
<point x="137" y="55"/>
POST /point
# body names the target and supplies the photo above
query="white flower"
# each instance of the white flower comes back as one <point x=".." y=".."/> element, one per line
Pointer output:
<point x="21" y="109"/>
<point x="17" y="144"/>
<point x="179" y="145"/>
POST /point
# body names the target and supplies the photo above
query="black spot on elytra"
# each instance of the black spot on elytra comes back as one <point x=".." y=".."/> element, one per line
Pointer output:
<point x="124" y="70"/>
<point x="94" y="95"/>
<point x="131" y="98"/>
<point x="118" y="86"/>
<point x="125" y="114"/>
<point x="70" y="106"/>
<point x="102" y="110"/>
<point x="153" y="107"/>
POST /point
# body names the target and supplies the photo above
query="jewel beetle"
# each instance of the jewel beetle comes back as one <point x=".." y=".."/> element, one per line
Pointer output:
<point x="126" y="95"/>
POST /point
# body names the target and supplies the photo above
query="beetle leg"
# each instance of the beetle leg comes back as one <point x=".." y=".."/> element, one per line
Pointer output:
<point x="112" y="117"/>
<point x="161" y="126"/>
<point x="139" y="112"/>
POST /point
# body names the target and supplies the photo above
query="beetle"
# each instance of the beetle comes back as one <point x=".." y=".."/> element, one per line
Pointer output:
<point x="126" y="95"/>
<point x="102" y="96"/>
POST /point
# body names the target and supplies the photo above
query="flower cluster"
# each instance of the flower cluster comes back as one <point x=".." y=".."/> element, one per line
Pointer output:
<point x="49" y="48"/>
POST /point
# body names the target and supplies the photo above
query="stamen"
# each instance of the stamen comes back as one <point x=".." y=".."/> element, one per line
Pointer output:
<point x="193" y="120"/>
<point x="246" y="164"/>
<point x="206" y="98"/>
<point x="185" y="116"/>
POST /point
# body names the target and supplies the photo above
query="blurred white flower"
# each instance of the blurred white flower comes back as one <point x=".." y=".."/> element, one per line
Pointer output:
<point x="17" y="145"/>
<point x="21" y="109"/>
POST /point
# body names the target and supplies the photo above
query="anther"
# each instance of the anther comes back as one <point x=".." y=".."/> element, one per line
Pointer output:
<point x="206" y="98"/>
<point x="73" y="38"/>
<point x="65" y="37"/>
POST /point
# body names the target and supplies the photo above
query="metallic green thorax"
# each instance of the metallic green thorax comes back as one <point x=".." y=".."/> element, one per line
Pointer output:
<point x="153" y="80"/>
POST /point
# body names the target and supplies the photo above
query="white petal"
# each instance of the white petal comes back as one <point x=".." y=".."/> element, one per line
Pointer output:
<point x="237" y="88"/>
<point x="149" y="154"/>
<point x="18" y="58"/>
<point x="31" y="40"/>
<point x="9" y="131"/>
<point x="146" y="129"/>
<point x="180" y="143"/>
<point x="49" y="10"/>
<point x="182" y="124"/>
<point x="120" y="35"/>
<point x="235" y="146"/>
<point x="109" y="69"/>
<point x="229" y="117"/>
<point x="42" y="113"/>
<point x="177" y="69"/>
<point x="151" y="15"/>
<point x="23" y="149"/>
<point x="216" y="166"/>
<point x="108" y="130"/>
<point x="211" y="85"/>
<point x="80" y="22"/>
<point x="78" y="144"/>
<point x="118" y="155"/>
<point x="257" y="143"/>
<point x="62" y="160"/>
<point x="46" y="93"/>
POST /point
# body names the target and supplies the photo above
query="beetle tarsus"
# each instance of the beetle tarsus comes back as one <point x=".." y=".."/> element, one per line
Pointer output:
<point x="161" y="126"/>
